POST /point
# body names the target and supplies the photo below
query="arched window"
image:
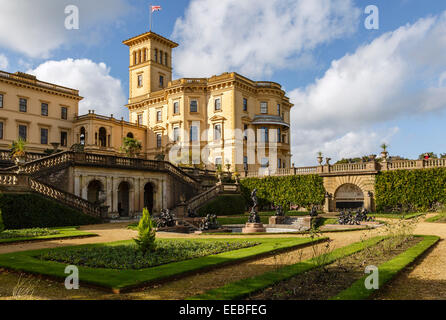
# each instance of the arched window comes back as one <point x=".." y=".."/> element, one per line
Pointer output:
<point x="102" y="137"/>
<point x="130" y="135"/>
<point x="82" y="136"/>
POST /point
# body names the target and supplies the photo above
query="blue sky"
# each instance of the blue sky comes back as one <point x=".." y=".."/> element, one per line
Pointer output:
<point x="386" y="85"/>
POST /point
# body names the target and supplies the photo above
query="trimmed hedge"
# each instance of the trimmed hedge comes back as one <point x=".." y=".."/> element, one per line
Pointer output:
<point x="227" y="205"/>
<point x="410" y="190"/>
<point x="303" y="191"/>
<point x="25" y="211"/>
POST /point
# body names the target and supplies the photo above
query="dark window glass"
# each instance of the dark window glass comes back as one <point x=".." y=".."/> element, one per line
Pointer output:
<point x="166" y="59"/>
<point x="176" y="108"/>
<point x="161" y="82"/>
<point x="23" y="132"/>
<point x="64" y="112"/>
<point x="158" y="141"/>
<point x="194" y="106"/>
<point x="45" y="109"/>
<point x="279" y="135"/>
<point x="63" y="139"/>
<point x="245" y="104"/>
<point x="161" y="56"/>
<point x="1" y="101"/>
<point x="23" y="105"/>
<point x="1" y="130"/>
<point x="140" y="80"/>
<point x="218" y="104"/>
<point x="140" y="119"/>
<point x="264" y="135"/>
<point x="278" y="109"/>
<point x="43" y="136"/>
<point x="156" y="55"/>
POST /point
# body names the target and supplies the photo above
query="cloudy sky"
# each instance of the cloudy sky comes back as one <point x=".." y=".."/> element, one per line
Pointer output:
<point x="353" y="88"/>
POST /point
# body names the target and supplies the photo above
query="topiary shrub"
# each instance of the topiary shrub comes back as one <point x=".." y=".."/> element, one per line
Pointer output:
<point x="27" y="211"/>
<point x="2" y="225"/>
<point x="227" y="205"/>
<point x="146" y="233"/>
<point x="303" y="191"/>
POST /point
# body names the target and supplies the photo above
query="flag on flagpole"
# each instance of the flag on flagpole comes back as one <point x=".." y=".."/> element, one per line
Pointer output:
<point x="156" y="8"/>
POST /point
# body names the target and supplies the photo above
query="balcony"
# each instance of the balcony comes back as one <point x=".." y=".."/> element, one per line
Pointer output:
<point x="269" y="119"/>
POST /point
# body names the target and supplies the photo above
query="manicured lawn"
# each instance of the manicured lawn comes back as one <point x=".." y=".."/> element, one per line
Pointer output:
<point x="388" y="270"/>
<point x="243" y="288"/>
<point x="397" y="216"/>
<point x="440" y="218"/>
<point x="11" y="236"/>
<point x="125" y="279"/>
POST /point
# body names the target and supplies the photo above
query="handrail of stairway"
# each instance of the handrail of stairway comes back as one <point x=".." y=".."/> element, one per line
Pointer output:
<point x="203" y="195"/>
<point x="68" y="198"/>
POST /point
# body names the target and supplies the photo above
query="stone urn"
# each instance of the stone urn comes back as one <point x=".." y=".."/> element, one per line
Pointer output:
<point x="320" y="160"/>
<point x="384" y="155"/>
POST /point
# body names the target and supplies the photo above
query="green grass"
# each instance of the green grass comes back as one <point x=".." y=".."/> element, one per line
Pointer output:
<point x="397" y="215"/>
<point x="239" y="220"/>
<point x="440" y="218"/>
<point x="119" y="280"/>
<point x="68" y="232"/>
<point x="388" y="270"/>
<point x="243" y="288"/>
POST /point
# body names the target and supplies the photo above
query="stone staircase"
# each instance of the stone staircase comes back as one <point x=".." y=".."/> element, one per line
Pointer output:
<point x="26" y="177"/>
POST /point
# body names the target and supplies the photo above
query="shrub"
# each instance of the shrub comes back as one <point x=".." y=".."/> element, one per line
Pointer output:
<point x="227" y="205"/>
<point x="2" y="225"/>
<point x="303" y="191"/>
<point x="26" y="211"/>
<point x="410" y="190"/>
<point x="146" y="234"/>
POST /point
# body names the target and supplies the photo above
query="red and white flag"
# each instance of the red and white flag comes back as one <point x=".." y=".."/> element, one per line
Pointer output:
<point x="156" y="8"/>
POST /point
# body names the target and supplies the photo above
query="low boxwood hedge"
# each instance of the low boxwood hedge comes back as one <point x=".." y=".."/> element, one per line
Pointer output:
<point x="227" y="205"/>
<point x="25" y="211"/>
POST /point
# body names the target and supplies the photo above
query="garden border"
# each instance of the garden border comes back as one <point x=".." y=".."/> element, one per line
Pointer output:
<point x="66" y="233"/>
<point x="388" y="270"/>
<point x="119" y="281"/>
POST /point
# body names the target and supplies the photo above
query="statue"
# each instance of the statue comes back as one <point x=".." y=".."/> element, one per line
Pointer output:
<point x="254" y="216"/>
<point x="191" y="213"/>
<point x="166" y="219"/>
<point x="210" y="222"/>
<point x="313" y="212"/>
<point x="279" y="211"/>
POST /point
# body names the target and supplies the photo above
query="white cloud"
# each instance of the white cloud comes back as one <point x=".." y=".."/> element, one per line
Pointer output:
<point x="257" y="37"/>
<point x="100" y="90"/>
<point x="390" y="78"/>
<point x="4" y="63"/>
<point x="37" y="28"/>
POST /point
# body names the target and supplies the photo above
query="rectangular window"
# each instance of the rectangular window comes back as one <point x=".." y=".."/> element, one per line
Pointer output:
<point x="63" y="139"/>
<point x="23" y="105"/>
<point x="218" y="162"/>
<point x="217" y="132"/>
<point x="43" y="136"/>
<point x="44" y="109"/>
<point x="279" y="165"/>
<point x="264" y="163"/>
<point x="278" y="109"/>
<point x="176" y="108"/>
<point x="161" y="82"/>
<point x="245" y="104"/>
<point x="156" y="55"/>
<point x="217" y="104"/>
<point x="245" y="163"/>
<point x="23" y="132"/>
<point x="161" y="56"/>
<point x="1" y="130"/>
<point x="176" y="134"/>
<point x="279" y="135"/>
<point x="64" y="113"/>
<point x="264" y="135"/>
<point x="158" y="141"/>
<point x="139" y="80"/>
<point x="159" y="116"/>
<point x="1" y="101"/>
<point x="193" y="133"/>
<point x="194" y="106"/>
<point x="165" y="59"/>
<point x="139" y="121"/>
<point x="264" y="107"/>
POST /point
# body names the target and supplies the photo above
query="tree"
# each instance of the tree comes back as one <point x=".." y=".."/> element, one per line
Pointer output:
<point x="384" y="147"/>
<point x="430" y="155"/>
<point x="131" y="147"/>
<point x="146" y="233"/>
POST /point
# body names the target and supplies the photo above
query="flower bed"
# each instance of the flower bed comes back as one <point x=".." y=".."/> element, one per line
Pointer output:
<point x="125" y="257"/>
<point x="27" y="233"/>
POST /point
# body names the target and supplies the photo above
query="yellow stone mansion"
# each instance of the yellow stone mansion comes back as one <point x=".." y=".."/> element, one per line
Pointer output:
<point x="222" y="120"/>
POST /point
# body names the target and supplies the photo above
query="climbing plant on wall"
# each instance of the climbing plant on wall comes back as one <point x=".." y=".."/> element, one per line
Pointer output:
<point x="410" y="190"/>
<point x="303" y="191"/>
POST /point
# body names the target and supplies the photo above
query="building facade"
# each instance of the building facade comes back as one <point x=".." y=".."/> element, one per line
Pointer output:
<point x="221" y="120"/>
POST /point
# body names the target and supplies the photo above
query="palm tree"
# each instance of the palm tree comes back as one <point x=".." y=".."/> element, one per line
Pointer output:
<point x="131" y="147"/>
<point x="384" y="147"/>
<point x="18" y="149"/>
